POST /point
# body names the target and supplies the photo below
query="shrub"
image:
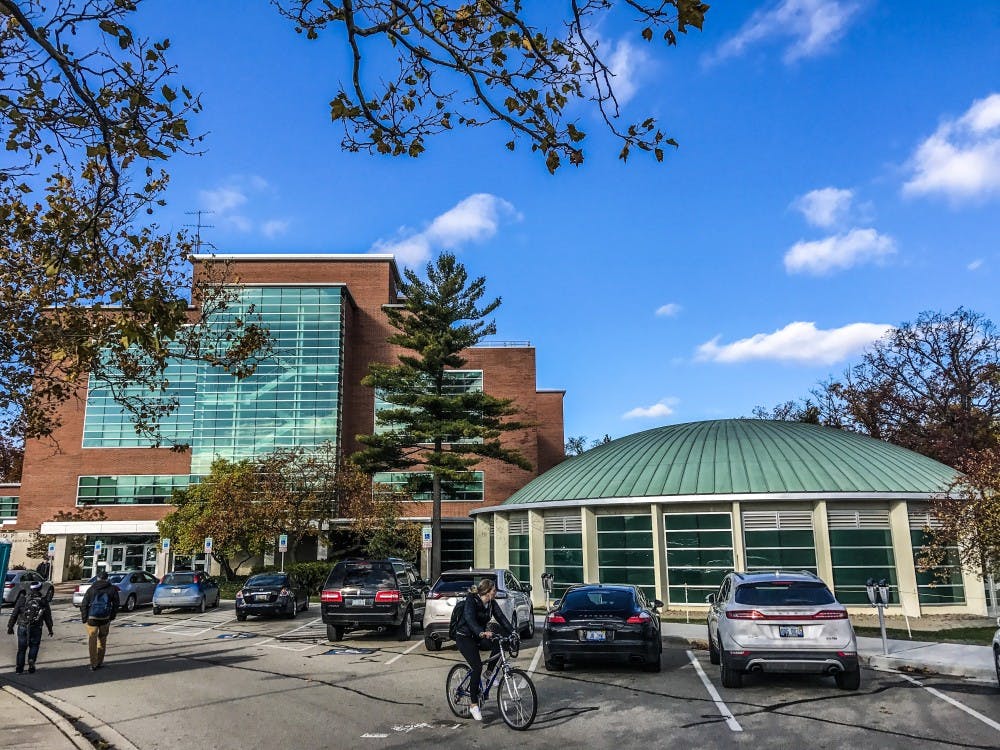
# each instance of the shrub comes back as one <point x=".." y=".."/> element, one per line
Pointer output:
<point x="312" y="574"/>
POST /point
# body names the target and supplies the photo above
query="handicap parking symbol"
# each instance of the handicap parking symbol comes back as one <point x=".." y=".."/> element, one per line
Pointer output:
<point x="349" y="651"/>
<point x="134" y="624"/>
<point x="233" y="636"/>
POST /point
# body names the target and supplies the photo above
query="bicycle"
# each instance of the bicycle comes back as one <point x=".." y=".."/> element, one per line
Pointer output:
<point x="516" y="696"/>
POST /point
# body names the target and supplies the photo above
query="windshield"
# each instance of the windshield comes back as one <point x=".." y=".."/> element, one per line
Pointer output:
<point x="784" y="594"/>
<point x="362" y="575"/>
<point x="598" y="600"/>
<point x="267" y="580"/>
<point x="453" y="585"/>
<point x="116" y="577"/>
<point x="179" y="579"/>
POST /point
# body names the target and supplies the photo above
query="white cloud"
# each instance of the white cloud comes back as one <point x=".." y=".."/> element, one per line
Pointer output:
<point x="841" y="251"/>
<point x="274" y="227"/>
<point x="825" y="207"/>
<point x="625" y="61"/>
<point x="668" y="310"/>
<point x="662" y="408"/>
<point x="237" y="192"/>
<point x="813" y="26"/>
<point x="799" y="342"/>
<point x="223" y="199"/>
<point x="962" y="158"/>
<point x="473" y="219"/>
<point x="975" y="265"/>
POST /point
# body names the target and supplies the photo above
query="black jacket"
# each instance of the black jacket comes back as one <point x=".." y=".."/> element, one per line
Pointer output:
<point x="93" y="591"/>
<point x="476" y="617"/>
<point x="21" y="608"/>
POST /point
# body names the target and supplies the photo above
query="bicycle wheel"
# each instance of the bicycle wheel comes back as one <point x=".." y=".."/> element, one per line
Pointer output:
<point x="457" y="689"/>
<point x="517" y="699"/>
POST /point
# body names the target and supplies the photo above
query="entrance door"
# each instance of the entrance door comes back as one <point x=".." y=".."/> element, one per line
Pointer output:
<point x="150" y="555"/>
<point x="116" y="557"/>
<point x="135" y="556"/>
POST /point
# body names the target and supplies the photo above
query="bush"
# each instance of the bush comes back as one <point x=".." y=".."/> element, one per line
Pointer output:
<point x="312" y="574"/>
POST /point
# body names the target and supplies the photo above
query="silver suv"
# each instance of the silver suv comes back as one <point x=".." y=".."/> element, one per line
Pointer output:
<point x="781" y="622"/>
<point x="512" y="596"/>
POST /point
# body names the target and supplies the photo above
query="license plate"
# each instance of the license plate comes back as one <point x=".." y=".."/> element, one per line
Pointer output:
<point x="594" y="635"/>
<point x="262" y="597"/>
<point x="355" y="602"/>
<point x="790" y="631"/>
<point x="175" y="591"/>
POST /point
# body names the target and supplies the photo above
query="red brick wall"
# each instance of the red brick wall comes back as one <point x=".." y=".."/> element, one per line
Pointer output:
<point x="551" y="433"/>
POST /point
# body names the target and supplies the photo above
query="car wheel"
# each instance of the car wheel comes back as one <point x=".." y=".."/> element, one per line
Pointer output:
<point x="334" y="633"/>
<point x="731" y="678"/>
<point x="529" y="630"/>
<point x="129" y="603"/>
<point x="157" y="610"/>
<point x="713" y="651"/>
<point x="241" y="617"/>
<point x="203" y="606"/>
<point x="406" y="626"/>
<point x="849" y="680"/>
<point x="432" y="644"/>
<point x="996" y="662"/>
<point x="295" y="609"/>
<point x="218" y="599"/>
<point x="553" y="665"/>
<point x="52" y="592"/>
<point x="305" y="604"/>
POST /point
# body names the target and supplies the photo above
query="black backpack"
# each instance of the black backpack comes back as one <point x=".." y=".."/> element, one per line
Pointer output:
<point x="33" y="611"/>
<point x="100" y="606"/>
<point x="456" y="618"/>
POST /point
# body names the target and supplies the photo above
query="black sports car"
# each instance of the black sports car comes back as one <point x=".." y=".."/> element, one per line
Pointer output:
<point x="603" y="621"/>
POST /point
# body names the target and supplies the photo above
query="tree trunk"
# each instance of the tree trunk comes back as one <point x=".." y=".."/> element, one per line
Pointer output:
<point x="436" y="528"/>
<point x="227" y="569"/>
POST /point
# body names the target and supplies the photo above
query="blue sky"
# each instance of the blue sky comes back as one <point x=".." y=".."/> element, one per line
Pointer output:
<point x="838" y="173"/>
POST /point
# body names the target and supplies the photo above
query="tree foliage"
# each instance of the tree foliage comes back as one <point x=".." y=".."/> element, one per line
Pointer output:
<point x="790" y="411"/>
<point x="428" y="425"/>
<point x="482" y="62"/>
<point x="38" y="546"/>
<point x="90" y="113"/>
<point x="576" y="445"/>
<point x="374" y="516"/>
<point x="967" y="516"/>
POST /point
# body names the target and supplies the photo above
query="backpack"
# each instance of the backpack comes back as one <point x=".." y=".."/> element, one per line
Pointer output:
<point x="33" y="613"/>
<point x="100" y="606"/>
<point x="456" y="618"/>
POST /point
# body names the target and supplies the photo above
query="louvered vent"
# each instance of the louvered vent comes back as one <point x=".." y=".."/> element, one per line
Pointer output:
<point x="773" y="520"/>
<point x="563" y="524"/>
<point x="923" y="518"/>
<point x="858" y="519"/>
<point x="517" y="526"/>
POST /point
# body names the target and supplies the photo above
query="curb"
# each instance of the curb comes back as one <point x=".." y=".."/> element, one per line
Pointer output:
<point x="892" y="663"/>
<point x="57" y="720"/>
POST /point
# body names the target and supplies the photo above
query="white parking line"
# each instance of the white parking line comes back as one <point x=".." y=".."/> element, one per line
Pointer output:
<point x="534" y="660"/>
<point x="714" y="694"/>
<point x="400" y="656"/>
<point x="194" y="626"/>
<point x="297" y="649"/>
<point x="948" y="699"/>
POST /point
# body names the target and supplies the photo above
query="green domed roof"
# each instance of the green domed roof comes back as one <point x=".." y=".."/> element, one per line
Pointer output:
<point x="737" y="456"/>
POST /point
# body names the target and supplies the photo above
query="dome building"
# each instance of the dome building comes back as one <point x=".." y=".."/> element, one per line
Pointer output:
<point x="673" y="509"/>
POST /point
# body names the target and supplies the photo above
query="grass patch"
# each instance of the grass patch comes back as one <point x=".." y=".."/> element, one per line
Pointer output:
<point x="980" y="636"/>
<point x="228" y="589"/>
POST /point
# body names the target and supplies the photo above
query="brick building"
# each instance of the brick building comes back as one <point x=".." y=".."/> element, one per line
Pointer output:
<point x="327" y="315"/>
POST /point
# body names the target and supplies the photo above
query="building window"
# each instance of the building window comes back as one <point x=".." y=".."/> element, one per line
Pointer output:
<point x="456" y="383"/>
<point x="779" y="540"/>
<point x="861" y="548"/>
<point x="146" y="489"/>
<point x="564" y="551"/>
<point x="8" y="508"/>
<point x="625" y="551"/>
<point x="519" y="560"/>
<point x="699" y="554"/>
<point x="457" y="546"/>
<point x="941" y="584"/>
<point x="418" y="485"/>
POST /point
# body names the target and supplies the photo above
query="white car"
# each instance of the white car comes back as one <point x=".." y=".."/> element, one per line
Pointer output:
<point x="781" y="622"/>
<point x="996" y="651"/>
<point x="512" y="596"/>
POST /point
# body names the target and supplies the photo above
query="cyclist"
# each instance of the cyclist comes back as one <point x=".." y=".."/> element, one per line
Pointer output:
<point x="474" y="628"/>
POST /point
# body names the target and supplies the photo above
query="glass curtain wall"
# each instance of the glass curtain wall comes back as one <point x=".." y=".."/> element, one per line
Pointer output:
<point x="563" y="551"/>
<point x="938" y="584"/>
<point x="456" y="548"/>
<point x="625" y="551"/>
<point x="517" y="547"/>
<point x="779" y="540"/>
<point x="418" y="484"/>
<point x="130" y="489"/>
<point x="699" y="554"/>
<point x="861" y="548"/>
<point x="8" y="508"/>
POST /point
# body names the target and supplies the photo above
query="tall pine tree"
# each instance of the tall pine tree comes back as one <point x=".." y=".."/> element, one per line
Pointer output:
<point x="429" y="425"/>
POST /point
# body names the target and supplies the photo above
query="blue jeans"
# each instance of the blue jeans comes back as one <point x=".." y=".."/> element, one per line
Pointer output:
<point x="28" y="641"/>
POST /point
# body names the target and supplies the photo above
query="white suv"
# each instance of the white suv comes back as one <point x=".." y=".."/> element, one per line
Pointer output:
<point x="781" y="622"/>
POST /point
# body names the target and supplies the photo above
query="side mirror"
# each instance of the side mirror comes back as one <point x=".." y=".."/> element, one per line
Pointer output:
<point x="657" y="604"/>
<point x="710" y="598"/>
<point x="526" y="588"/>
<point x="501" y="595"/>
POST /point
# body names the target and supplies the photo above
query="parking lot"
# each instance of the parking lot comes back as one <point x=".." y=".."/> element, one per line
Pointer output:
<point x="182" y="677"/>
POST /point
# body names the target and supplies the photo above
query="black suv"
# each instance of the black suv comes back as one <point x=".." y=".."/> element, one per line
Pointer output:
<point x="370" y="594"/>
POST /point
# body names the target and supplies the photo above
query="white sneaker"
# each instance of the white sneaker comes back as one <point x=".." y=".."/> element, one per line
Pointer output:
<point x="476" y="713"/>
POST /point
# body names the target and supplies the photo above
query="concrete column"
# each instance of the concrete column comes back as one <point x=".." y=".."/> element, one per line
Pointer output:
<point x="61" y="561"/>
<point x="501" y="542"/>
<point x="975" y="594"/>
<point x="902" y="550"/>
<point x="536" y="555"/>
<point x="591" y="568"/>
<point x="821" y="538"/>
<point x="659" y="553"/>
<point x="739" y="552"/>
<point x="481" y="541"/>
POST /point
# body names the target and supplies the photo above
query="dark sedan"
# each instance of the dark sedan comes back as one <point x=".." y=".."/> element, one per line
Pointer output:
<point x="597" y="621"/>
<point x="271" y="594"/>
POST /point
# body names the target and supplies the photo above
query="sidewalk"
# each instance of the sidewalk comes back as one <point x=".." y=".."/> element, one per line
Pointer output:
<point x="952" y="659"/>
<point x="29" y="724"/>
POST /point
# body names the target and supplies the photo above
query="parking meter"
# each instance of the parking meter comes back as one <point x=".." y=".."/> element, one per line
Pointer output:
<point x="547" y="583"/>
<point x="883" y="591"/>
<point x="872" y="590"/>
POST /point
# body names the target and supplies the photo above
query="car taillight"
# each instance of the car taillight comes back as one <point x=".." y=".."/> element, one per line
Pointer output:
<point x="434" y="595"/>
<point x="556" y="619"/>
<point x="331" y="597"/>
<point x="284" y="592"/>
<point x="8" y="585"/>
<point x="76" y="590"/>
<point x="384" y="597"/>
<point x="830" y="614"/>
<point x="640" y="619"/>
<point x="753" y="614"/>
<point x="745" y="614"/>
<point x="239" y="594"/>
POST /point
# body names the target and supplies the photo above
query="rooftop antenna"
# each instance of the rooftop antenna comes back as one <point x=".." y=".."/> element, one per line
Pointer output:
<point x="198" y="226"/>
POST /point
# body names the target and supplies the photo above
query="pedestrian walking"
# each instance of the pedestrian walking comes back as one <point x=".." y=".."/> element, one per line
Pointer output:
<point x="98" y="608"/>
<point x="30" y="613"/>
<point x="43" y="569"/>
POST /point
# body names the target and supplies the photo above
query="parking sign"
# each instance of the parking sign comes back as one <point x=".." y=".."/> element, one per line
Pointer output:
<point x="52" y="548"/>
<point x="427" y="541"/>
<point x="98" y="547"/>
<point x="283" y="543"/>
<point x="165" y="544"/>
<point x="208" y="545"/>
